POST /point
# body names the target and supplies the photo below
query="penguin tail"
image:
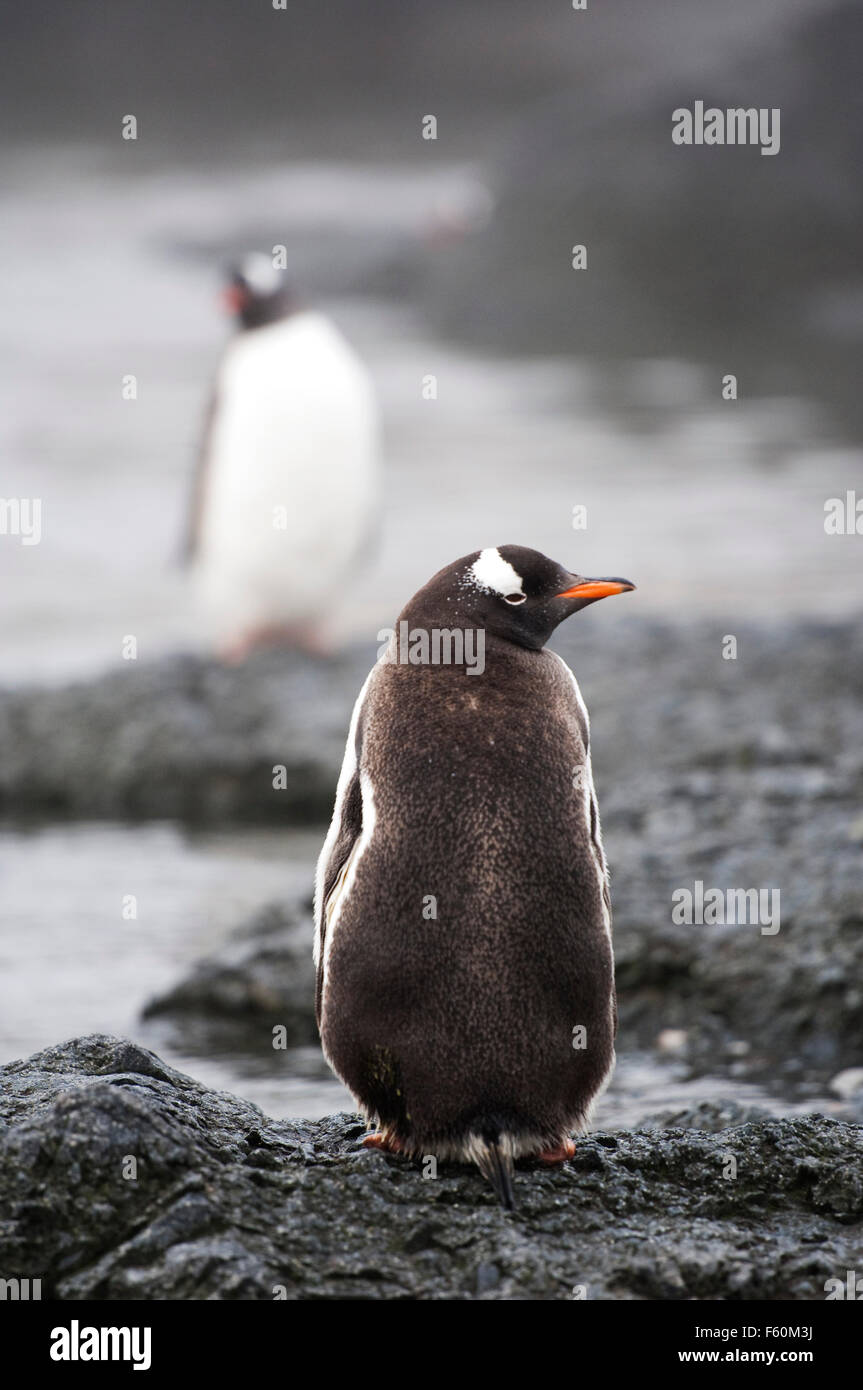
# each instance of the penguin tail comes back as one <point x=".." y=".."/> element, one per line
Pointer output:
<point x="495" y="1164"/>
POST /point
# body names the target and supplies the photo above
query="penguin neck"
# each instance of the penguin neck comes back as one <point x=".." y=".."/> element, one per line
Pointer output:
<point x="450" y="613"/>
<point x="441" y="615"/>
<point x="261" y="312"/>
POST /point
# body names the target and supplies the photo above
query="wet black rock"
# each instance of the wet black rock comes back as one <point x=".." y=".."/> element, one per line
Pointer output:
<point x="262" y="979"/>
<point x="711" y="1117"/>
<point x="121" y="1178"/>
<point x="183" y="738"/>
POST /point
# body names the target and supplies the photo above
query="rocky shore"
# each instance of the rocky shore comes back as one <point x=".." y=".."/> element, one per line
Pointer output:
<point x="122" y="1179"/>
<point x="734" y="774"/>
<point x="737" y="775"/>
<point x="181" y="739"/>
<point x="185" y="738"/>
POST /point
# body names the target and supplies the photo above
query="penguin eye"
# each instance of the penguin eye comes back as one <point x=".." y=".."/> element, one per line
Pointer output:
<point x="514" y="598"/>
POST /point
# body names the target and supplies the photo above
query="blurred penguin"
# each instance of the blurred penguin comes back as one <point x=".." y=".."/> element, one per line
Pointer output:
<point x="286" y="488"/>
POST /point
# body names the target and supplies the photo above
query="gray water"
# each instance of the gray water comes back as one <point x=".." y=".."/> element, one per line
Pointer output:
<point x="70" y="964"/>
<point x="108" y="269"/>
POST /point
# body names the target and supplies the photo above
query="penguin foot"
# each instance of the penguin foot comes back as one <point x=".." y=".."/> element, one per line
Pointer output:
<point x="564" y="1150"/>
<point x="383" y="1141"/>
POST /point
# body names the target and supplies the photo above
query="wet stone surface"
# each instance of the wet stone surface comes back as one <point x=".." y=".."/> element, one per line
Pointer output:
<point x="228" y="1204"/>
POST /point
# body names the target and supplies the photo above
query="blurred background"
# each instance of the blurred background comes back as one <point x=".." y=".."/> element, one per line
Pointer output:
<point x="556" y="389"/>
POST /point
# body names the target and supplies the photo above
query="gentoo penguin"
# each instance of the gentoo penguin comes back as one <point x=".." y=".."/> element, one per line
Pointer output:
<point x="465" y="979"/>
<point x="286" y="487"/>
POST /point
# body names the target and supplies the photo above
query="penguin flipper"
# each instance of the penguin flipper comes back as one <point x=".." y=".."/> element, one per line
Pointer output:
<point x="345" y="832"/>
<point x="342" y="839"/>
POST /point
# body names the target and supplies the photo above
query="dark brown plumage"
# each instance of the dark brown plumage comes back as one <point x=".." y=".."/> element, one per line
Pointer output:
<point x="455" y="1031"/>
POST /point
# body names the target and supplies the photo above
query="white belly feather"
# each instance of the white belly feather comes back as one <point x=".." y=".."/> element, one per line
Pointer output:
<point x="291" y="480"/>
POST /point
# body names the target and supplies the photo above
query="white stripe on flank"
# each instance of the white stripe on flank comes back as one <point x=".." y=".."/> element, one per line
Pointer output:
<point x="341" y="891"/>
<point x="590" y="795"/>
<point x="349" y="767"/>
<point x="578" y="695"/>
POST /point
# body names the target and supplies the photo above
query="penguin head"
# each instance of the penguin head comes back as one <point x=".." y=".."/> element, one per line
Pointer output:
<point x="257" y="293"/>
<point x="517" y="594"/>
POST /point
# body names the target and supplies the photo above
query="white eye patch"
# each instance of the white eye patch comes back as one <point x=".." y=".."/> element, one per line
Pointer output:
<point x="492" y="573"/>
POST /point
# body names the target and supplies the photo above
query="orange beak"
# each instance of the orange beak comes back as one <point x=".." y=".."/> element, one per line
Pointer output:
<point x="597" y="588"/>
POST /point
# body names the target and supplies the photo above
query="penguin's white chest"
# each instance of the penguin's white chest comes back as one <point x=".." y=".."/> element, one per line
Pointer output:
<point x="291" y="472"/>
